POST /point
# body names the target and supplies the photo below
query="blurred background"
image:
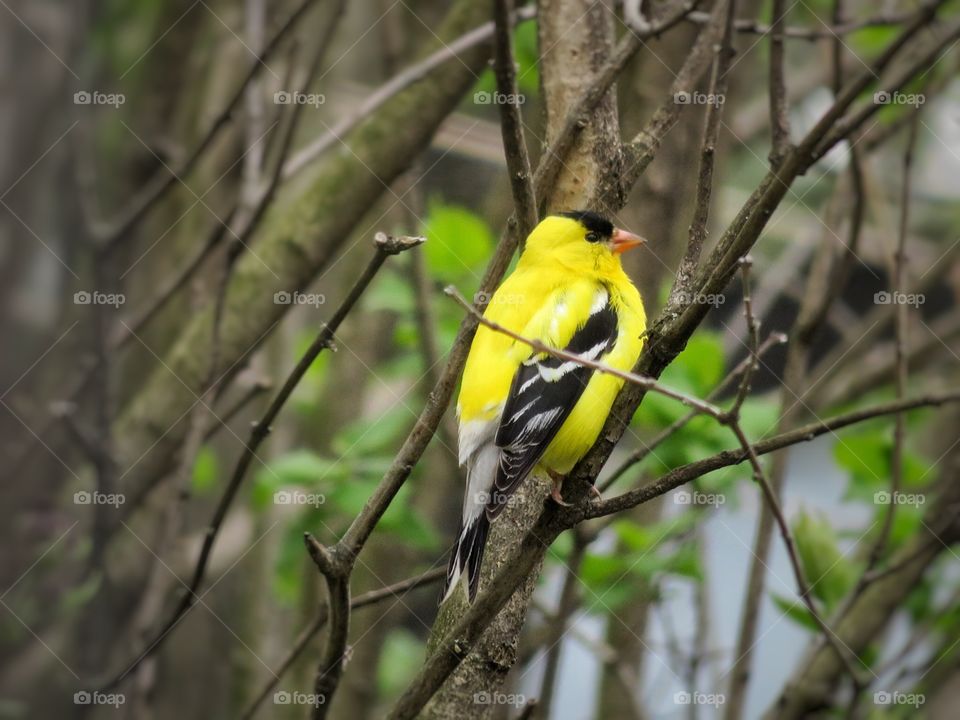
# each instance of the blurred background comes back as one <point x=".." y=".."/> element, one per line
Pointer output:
<point x="189" y="189"/>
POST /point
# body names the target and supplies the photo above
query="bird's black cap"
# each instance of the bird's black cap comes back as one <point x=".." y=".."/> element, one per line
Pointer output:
<point x="594" y="222"/>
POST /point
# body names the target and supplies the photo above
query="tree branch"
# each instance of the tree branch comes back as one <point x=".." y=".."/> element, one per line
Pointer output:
<point x="697" y="232"/>
<point x="511" y="121"/>
<point x="779" y="120"/>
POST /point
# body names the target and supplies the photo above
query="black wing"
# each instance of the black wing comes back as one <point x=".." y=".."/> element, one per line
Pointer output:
<point x="544" y="392"/>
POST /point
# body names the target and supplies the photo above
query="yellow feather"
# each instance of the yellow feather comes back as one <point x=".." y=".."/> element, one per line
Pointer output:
<point x="548" y="297"/>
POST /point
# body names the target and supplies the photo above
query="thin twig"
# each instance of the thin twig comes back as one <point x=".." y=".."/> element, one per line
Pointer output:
<point x="685" y="473"/>
<point x="540" y="347"/>
<point x="753" y="336"/>
<point x="511" y="121"/>
<point x="774" y="340"/>
<point x="697" y="233"/>
<point x="337" y="576"/>
<point x="779" y="121"/>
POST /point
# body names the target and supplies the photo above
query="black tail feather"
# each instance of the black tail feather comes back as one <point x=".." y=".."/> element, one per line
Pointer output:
<point x="467" y="556"/>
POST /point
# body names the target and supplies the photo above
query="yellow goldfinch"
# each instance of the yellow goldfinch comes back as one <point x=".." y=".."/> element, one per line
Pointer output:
<point x="520" y="410"/>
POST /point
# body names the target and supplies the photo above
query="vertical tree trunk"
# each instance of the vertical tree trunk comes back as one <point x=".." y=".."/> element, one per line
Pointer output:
<point x="575" y="39"/>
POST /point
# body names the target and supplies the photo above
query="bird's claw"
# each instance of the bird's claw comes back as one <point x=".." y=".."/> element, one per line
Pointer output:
<point x="557" y="497"/>
<point x="595" y="494"/>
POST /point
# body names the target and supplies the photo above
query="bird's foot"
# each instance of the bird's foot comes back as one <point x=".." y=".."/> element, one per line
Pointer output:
<point x="557" y="497"/>
<point x="555" y="490"/>
<point x="594" y="493"/>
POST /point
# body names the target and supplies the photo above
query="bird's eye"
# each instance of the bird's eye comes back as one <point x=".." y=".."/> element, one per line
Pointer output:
<point x="592" y="236"/>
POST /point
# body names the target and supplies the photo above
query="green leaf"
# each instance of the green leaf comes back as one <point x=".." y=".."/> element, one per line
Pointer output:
<point x="300" y="467"/>
<point x="291" y="562"/>
<point x="400" y="657"/>
<point x="390" y="291"/>
<point x="83" y="593"/>
<point x="796" y="611"/>
<point x="526" y="57"/>
<point x="702" y="362"/>
<point x="828" y="571"/>
<point x="206" y="468"/>
<point x="458" y="242"/>
<point x="867" y="458"/>
<point x="369" y="436"/>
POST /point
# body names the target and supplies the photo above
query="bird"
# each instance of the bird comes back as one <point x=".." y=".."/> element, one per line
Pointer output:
<point x="520" y="410"/>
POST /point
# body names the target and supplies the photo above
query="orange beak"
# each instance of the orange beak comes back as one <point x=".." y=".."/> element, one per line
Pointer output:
<point x="621" y="241"/>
